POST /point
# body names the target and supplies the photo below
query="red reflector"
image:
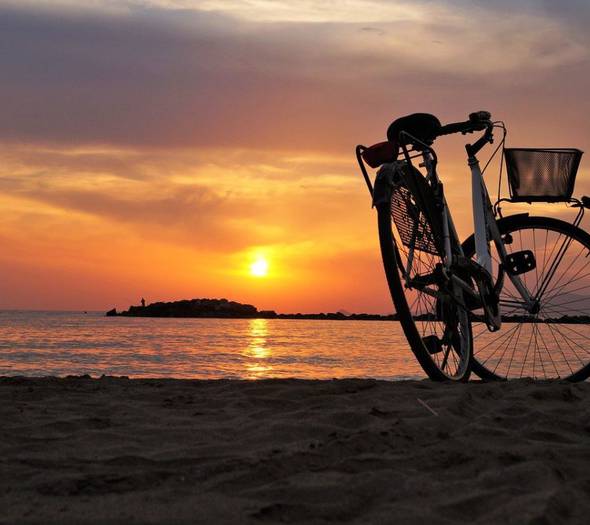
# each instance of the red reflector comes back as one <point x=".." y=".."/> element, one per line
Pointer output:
<point x="379" y="154"/>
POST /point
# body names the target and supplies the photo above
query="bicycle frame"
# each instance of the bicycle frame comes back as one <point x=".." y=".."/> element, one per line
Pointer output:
<point x="484" y="221"/>
<point x="486" y="230"/>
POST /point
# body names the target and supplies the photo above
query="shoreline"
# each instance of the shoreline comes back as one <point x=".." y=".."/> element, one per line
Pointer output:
<point x="305" y="317"/>
<point x="119" y="450"/>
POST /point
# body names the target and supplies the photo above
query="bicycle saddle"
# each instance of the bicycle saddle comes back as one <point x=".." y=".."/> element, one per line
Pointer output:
<point x="423" y="126"/>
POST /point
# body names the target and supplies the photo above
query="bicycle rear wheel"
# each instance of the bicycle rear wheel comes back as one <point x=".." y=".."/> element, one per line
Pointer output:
<point x="429" y="309"/>
<point x="553" y="341"/>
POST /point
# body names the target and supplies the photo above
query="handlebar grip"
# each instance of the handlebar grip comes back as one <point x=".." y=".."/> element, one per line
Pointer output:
<point x="456" y="127"/>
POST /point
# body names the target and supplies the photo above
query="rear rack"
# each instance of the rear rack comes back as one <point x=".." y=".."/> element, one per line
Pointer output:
<point x="415" y="151"/>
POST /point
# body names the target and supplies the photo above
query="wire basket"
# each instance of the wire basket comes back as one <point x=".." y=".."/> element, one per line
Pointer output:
<point x="541" y="175"/>
<point x="413" y="209"/>
<point x="412" y="225"/>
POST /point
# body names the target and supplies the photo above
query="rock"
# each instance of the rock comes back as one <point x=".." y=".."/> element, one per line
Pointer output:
<point x="222" y="308"/>
<point x="195" y="308"/>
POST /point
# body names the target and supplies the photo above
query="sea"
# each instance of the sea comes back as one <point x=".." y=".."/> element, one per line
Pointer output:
<point x="76" y="343"/>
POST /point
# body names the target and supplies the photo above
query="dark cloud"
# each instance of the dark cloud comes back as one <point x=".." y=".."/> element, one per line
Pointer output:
<point x="193" y="217"/>
<point x="188" y="206"/>
<point x="170" y="78"/>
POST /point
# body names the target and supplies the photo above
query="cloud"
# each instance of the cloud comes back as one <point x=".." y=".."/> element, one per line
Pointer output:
<point x="267" y="11"/>
<point x="202" y="200"/>
<point x="205" y="75"/>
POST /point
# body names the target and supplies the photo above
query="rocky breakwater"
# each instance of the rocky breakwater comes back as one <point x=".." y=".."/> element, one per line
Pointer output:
<point x="195" y="308"/>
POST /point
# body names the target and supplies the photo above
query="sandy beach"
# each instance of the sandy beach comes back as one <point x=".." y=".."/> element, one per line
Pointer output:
<point x="114" y="450"/>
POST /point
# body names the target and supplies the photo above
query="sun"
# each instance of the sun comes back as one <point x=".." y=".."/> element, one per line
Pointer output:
<point x="259" y="268"/>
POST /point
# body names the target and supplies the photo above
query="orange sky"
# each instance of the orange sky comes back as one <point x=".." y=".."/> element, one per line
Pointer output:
<point x="157" y="148"/>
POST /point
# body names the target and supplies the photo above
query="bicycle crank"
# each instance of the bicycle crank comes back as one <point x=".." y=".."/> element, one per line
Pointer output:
<point x="488" y="291"/>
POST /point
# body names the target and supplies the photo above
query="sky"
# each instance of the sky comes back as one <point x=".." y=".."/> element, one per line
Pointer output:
<point x="159" y="148"/>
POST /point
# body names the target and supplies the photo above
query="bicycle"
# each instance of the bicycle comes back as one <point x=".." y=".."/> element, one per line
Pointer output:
<point x="526" y="273"/>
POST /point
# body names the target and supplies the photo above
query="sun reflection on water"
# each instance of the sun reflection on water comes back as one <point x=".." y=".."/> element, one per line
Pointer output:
<point x="69" y="343"/>
<point x="258" y="351"/>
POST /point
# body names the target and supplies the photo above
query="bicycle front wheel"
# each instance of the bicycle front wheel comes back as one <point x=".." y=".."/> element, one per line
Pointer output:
<point x="551" y="340"/>
<point x="436" y="326"/>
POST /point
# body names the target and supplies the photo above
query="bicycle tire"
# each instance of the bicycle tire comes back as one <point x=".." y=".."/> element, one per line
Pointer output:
<point x="430" y="360"/>
<point x="555" y="345"/>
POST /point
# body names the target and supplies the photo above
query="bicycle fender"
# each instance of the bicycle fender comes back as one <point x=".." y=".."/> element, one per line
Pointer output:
<point x="509" y="218"/>
<point x="467" y="244"/>
<point x="384" y="183"/>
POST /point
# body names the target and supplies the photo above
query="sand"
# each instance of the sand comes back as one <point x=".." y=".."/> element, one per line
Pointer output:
<point x="113" y="450"/>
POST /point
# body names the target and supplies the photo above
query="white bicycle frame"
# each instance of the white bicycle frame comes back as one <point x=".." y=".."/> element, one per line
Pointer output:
<point x="485" y="228"/>
<point x="479" y="200"/>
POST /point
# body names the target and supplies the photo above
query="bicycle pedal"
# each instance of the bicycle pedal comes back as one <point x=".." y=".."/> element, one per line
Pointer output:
<point x="520" y="262"/>
<point x="433" y="344"/>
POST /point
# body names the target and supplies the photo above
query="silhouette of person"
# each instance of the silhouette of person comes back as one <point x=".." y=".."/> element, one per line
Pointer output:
<point x="142" y="302"/>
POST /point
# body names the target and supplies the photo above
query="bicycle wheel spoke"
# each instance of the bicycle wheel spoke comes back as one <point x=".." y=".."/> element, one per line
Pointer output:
<point x="553" y="330"/>
<point x="557" y="291"/>
<point x="534" y="342"/>
<point x="542" y="339"/>
<point x="506" y="337"/>
<point x="566" y="327"/>
<point x="446" y="357"/>
<point x="512" y="354"/>
<point x="554" y="265"/>
<point x="571" y="340"/>
<point x="545" y="268"/>
<point x="580" y="299"/>
<point x="564" y="272"/>
<point x="535" y="248"/>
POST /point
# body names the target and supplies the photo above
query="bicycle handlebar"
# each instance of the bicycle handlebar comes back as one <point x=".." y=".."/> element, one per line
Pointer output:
<point x="478" y="121"/>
